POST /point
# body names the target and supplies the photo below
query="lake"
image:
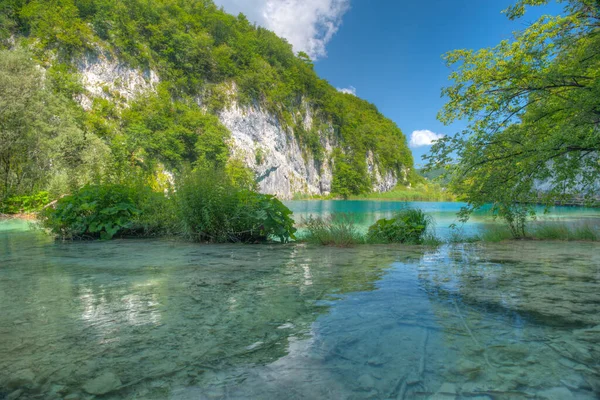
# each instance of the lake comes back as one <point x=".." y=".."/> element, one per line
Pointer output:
<point x="160" y="319"/>
<point x="366" y="212"/>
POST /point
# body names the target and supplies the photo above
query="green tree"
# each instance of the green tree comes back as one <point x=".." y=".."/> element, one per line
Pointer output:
<point x="350" y="176"/>
<point x="533" y="107"/>
<point x="41" y="144"/>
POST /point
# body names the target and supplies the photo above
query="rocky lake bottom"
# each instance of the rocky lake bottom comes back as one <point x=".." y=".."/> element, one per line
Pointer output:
<point x="157" y="319"/>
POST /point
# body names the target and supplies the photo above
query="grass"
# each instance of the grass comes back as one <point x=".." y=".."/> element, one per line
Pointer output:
<point x="459" y="237"/>
<point x="408" y="226"/>
<point x="340" y="230"/>
<point x="337" y="230"/>
<point x="412" y="226"/>
<point x="420" y="192"/>
<point x="306" y="196"/>
<point x="544" y="230"/>
<point x="583" y="231"/>
<point x="495" y="233"/>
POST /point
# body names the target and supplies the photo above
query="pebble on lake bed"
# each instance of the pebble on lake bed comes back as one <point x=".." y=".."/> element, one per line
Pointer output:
<point x="467" y="368"/>
<point x="103" y="384"/>
<point x="366" y="381"/>
<point x="446" y="392"/>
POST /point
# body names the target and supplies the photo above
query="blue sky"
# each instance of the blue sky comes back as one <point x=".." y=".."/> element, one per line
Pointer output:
<point x="389" y="51"/>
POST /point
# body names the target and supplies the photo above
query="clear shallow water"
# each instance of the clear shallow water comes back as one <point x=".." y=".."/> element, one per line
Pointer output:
<point x="173" y="320"/>
<point x="444" y="213"/>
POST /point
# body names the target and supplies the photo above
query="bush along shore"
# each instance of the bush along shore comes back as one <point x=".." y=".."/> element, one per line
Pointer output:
<point x="210" y="205"/>
<point x="204" y="205"/>
<point x="408" y="226"/>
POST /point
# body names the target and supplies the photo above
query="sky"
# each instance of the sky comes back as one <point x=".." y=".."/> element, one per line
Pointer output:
<point x="389" y="52"/>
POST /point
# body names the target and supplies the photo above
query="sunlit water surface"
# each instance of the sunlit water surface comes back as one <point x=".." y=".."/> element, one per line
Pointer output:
<point x="155" y="319"/>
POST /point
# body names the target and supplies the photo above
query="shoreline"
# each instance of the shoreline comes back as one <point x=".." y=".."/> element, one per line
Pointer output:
<point x="302" y="241"/>
<point x="21" y="216"/>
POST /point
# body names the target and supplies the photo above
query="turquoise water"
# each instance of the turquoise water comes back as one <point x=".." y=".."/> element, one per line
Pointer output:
<point x="156" y="319"/>
<point x="444" y="213"/>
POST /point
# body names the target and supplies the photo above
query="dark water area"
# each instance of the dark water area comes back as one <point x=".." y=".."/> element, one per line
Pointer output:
<point x="157" y="319"/>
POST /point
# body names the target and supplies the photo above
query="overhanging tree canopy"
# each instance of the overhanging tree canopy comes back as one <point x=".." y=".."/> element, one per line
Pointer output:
<point x="533" y="106"/>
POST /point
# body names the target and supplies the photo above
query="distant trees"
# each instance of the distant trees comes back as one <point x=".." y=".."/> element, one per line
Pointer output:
<point x="533" y="106"/>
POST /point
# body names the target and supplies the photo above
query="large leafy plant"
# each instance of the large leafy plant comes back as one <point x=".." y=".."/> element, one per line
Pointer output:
<point x="94" y="211"/>
<point x="263" y="216"/>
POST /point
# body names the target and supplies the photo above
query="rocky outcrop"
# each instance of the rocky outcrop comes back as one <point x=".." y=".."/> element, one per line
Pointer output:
<point x="272" y="151"/>
<point x="579" y="189"/>
<point x="106" y="77"/>
<point x="102" y="384"/>
<point x="282" y="166"/>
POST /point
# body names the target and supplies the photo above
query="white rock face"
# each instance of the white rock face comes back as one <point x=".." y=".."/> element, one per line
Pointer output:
<point x="587" y="181"/>
<point x="105" y="77"/>
<point x="387" y="181"/>
<point x="274" y="153"/>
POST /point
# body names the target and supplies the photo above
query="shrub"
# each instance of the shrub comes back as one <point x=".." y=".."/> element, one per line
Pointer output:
<point x="213" y="208"/>
<point x="94" y="211"/>
<point x="24" y="204"/>
<point x="407" y="226"/>
<point x="209" y="205"/>
<point x="158" y="216"/>
<point x="339" y="229"/>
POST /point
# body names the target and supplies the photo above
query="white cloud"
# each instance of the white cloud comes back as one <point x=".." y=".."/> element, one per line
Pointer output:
<point x="349" y="90"/>
<point x="307" y="24"/>
<point x="424" y="138"/>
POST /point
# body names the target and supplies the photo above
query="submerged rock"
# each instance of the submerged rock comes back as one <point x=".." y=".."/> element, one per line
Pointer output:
<point x="594" y="382"/>
<point x="366" y="381"/>
<point x="574" y="349"/>
<point x="24" y="377"/>
<point x="376" y="361"/>
<point x="15" y="395"/>
<point x="446" y="392"/>
<point x="557" y="393"/>
<point x="57" y="389"/>
<point x="467" y="368"/>
<point x="103" y="384"/>
<point x="591" y="335"/>
<point x="513" y="354"/>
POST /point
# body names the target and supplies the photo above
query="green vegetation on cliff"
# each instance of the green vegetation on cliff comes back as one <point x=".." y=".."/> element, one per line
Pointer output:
<point x="200" y="53"/>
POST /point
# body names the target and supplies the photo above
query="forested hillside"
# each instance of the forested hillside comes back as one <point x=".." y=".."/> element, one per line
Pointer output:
<point x="57" y="135"/>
